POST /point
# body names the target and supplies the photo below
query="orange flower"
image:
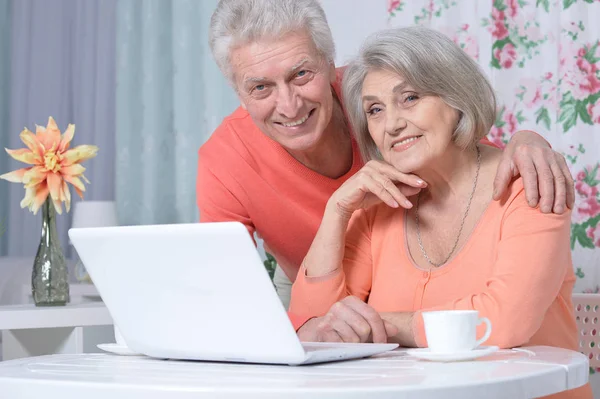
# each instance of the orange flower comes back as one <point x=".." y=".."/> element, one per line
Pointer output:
<point x="54" y="165"/>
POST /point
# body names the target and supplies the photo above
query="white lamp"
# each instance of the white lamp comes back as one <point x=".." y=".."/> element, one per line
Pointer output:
<point x="92" y="214"/>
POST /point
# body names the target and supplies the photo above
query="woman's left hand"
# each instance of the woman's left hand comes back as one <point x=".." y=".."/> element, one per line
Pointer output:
<point x="545" y="173"/>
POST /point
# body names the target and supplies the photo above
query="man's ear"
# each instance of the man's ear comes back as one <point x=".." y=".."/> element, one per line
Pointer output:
<point x="332" y="74"/>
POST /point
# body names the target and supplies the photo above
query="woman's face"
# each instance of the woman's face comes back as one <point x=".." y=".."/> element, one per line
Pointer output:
<point x="409" y="129"/>
<point x="285" y="85"/>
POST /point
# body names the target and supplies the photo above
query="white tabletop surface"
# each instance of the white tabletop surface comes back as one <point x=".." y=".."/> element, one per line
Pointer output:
<point x="14" y="317"/>
<point x="514" y="374"/>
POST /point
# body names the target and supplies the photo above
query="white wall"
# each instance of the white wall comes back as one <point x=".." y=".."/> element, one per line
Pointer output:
<point x="351" y="21"/>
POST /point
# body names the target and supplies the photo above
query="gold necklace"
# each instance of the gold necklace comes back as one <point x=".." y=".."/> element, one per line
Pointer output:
<point x="462" y="222"/>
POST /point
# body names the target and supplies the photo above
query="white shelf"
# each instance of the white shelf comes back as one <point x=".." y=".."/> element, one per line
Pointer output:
<point x="15" y="317"/>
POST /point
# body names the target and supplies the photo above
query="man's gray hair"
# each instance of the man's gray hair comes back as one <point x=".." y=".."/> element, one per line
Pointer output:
<point x="237" y="22"/>
<point x="433" y="65"/>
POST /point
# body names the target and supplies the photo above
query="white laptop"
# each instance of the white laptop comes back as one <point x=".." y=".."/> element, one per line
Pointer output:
<point x="197" y="292"/>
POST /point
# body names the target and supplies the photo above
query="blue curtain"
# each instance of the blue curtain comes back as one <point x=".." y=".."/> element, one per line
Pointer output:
<point x="4" y="107"/>
<point x="170" y="97"/>
<point x="67" y="72"/>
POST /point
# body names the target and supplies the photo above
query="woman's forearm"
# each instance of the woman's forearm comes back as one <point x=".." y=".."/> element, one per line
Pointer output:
<point x="327" y="250"/>
<point x="404" y="322"/>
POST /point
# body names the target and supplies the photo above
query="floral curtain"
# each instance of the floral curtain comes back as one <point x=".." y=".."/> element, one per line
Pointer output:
<point x="543" y="59"/>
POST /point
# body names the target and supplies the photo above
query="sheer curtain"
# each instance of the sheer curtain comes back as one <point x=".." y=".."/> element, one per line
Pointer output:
<point x="170" y="97"/>
<point x="4" y="111"/>
<point x="61" y="63"/>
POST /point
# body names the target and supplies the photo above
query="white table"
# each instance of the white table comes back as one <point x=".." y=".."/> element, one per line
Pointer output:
<point x="28" y="330"/>
<point x="513" y="374"/>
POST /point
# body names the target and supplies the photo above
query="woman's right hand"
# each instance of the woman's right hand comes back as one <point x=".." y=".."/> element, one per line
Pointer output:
<point x="376" y="182"/>
<point x="349" y="320"/>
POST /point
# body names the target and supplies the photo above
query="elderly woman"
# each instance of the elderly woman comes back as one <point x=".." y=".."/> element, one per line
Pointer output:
<point x="275" y="161"/>
<point x="418" y="104"/>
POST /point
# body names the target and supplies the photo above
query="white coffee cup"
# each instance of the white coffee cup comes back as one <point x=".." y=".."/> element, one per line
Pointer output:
<point x="450" y="331"/>
<point x="118" y="337"/>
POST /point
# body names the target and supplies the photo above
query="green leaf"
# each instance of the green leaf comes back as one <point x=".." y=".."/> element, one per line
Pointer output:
<point x="568" y="117"/>
<point x="495" y="63"/>
<point x="499" y="4"/>
<point x="501" y="43"/>
<point x="581" y="149"/>
<point x="581" y="26"/>
<point x="544" y="3"/>
<point x="591" y="222"/>
<point x="520" y="117"/>
<point x="590" y="179"/>
<point x="270" y="264"/>
<point x="542" y="115"/>
<point x="568" y="3"/>
<point x="578" y="233"/>
<point x="499" y="121"/>
<point x="568" y="112"/>
<point x="590" y="54"/>
<point x="567" y="98"/>
<point x="579" y="273"/>
<point x="593" y="99"/>
<point x="589" y="1"/>
<point x="522" y="3"/>
<point x="583" y="113"/>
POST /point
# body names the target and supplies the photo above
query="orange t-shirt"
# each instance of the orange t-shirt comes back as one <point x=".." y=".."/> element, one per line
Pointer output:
<point x="245" y="176"/>
<point x="515" y="269"/>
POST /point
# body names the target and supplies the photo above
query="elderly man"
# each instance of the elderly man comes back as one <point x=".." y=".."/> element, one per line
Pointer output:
<point x="276" y="160"/>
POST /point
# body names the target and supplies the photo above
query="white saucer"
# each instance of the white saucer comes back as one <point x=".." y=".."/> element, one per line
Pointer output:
<point x="427" y="354"/>
<point x="117" y="349"/>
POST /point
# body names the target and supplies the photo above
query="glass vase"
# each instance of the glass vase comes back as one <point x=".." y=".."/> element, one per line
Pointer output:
<point x="49" y="280"/>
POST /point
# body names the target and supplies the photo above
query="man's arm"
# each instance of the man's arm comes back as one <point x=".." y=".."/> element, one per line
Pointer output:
<point x="216" y="202"/>
<point x="546" y="176"/>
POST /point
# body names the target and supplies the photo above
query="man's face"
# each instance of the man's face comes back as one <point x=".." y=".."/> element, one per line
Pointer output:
<point x="285" y="85"/>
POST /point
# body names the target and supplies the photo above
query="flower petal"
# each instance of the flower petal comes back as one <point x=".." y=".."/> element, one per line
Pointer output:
<point x="31" y="142"/>
<point x="23" y="155"/>
<point x="35" y="197"/>
<point x="15" y="176"/>
<point x="66" y="195"/>
<point x="79" y="154"/>
<point x="66" y="138"/>
<point x="57" y="206"/>
<point x="79" y="192"/>
<point x="28" y="199"/>
<point x="40" y="197"/>
<point x="50" y="137"/>
<point x="54" y="185"/>
<point x="75" y="181"/>
<point x="34" y="176"/>
<point x="73" y="170"/>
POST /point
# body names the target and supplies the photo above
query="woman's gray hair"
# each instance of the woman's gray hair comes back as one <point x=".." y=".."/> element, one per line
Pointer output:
<point x="237" y="22"/>
<point x="433" y="65"/>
